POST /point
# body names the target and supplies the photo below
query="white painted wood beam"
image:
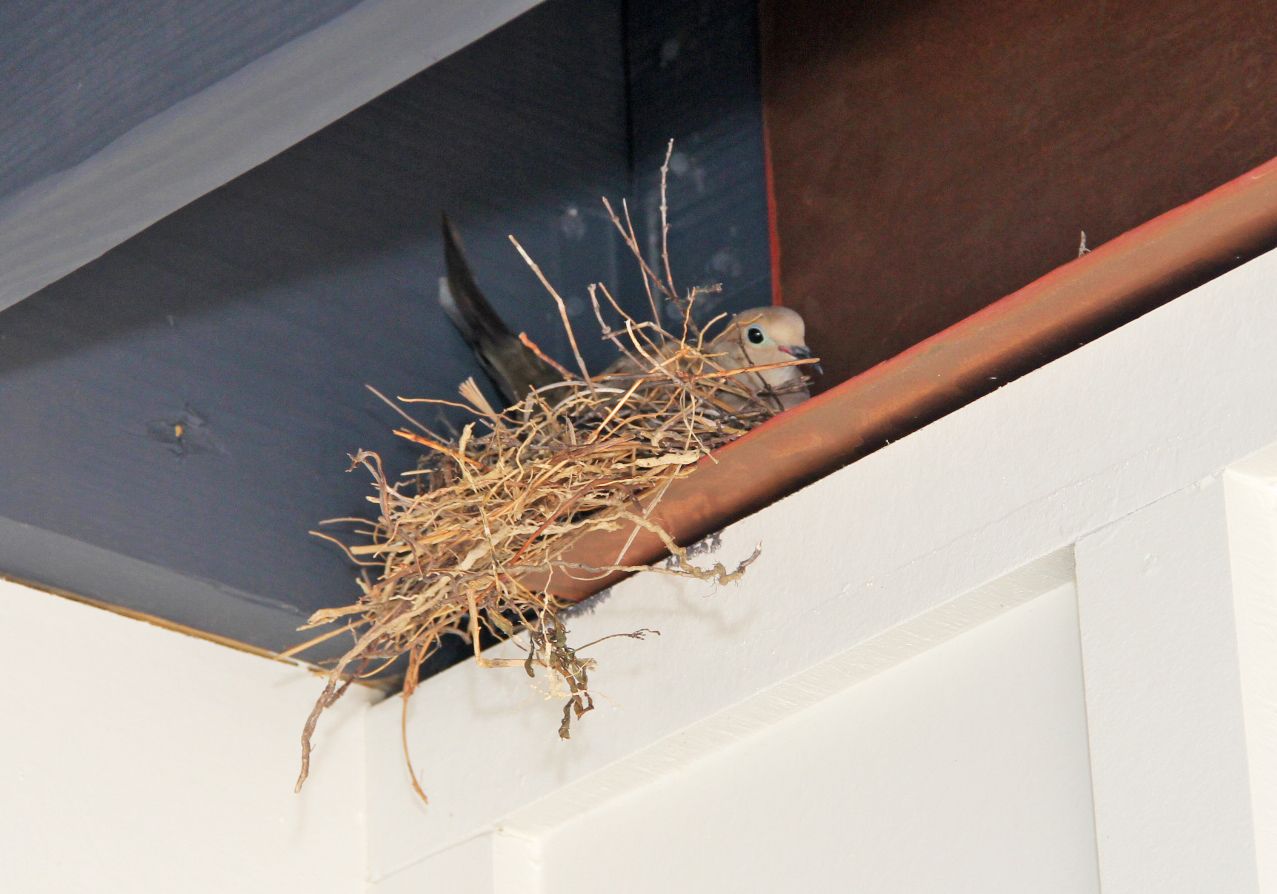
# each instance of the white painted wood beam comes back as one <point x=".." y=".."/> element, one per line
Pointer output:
<point x="1159" y="654"/>
<point x="1251" y="499"/>
<point x="663" y="703"/>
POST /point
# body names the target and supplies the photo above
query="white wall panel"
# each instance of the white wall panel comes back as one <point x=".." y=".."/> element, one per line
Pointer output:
<point x="964" y="769"/>
<point x="1168" y="747"/>
<point x="136" y="759"/>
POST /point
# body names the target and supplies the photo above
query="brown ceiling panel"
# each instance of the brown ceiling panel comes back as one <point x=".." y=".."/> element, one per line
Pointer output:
<point x="930" y="157"/>
<point x="1047" y="318"/>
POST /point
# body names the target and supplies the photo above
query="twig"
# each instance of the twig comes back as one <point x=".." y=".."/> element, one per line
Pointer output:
<point x="563" y="308"/>
<point x="532" y="346"/>
<point x="665" y="221"/>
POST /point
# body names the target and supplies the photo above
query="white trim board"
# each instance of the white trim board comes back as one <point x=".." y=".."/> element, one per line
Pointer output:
<point x="1251" y="505"/>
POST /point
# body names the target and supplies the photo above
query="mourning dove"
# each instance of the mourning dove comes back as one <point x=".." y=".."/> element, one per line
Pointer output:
<point x="753" y="338"/>
<point x="758" y="337"/>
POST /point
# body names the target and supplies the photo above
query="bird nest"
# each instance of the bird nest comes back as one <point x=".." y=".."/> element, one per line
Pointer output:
<point x="469" y="543"/>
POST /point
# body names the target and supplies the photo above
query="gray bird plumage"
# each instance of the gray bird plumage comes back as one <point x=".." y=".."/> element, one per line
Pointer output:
<point x="756" y="337"/>
<point x="513" y="369"/>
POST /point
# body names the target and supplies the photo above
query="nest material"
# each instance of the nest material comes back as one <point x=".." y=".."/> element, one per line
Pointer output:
<point x="466" y="543"/>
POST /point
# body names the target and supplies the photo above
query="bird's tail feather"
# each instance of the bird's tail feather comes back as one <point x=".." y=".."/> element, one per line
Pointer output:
<point x="513" y="368"/>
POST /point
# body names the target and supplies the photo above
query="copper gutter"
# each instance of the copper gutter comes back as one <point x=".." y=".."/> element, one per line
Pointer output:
<point x="1115" y="283"/>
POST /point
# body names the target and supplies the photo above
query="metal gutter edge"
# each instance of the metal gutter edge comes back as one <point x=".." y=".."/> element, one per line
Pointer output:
<point x="1073" y="304"/>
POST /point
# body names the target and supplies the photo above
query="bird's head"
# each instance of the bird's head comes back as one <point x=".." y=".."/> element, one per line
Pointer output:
<point x="772" y="335"/>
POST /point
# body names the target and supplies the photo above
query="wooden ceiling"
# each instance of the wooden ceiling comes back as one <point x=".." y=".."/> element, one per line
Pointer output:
<point x="931" y="156"/>
<point x="177" y="414"/>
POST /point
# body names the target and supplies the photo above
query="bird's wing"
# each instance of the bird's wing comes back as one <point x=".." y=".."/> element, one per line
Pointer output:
<point x="513" y="368"/>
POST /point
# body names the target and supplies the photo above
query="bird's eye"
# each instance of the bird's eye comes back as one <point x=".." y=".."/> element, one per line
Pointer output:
<point x="755" y="335"/>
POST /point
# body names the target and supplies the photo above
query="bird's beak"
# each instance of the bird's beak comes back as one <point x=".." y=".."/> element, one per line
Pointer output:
<point x="802" y="352"/>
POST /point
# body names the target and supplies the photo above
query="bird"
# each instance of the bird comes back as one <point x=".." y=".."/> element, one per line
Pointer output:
<point x="757" y="337"/>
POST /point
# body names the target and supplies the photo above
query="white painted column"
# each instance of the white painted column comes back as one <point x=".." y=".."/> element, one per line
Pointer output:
<point x="1169" y="765"/>
<point x="1251" y="491"/>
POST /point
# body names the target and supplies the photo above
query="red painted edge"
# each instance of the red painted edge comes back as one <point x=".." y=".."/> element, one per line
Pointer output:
<point x="769" y="174"/>
<point x="773" y="223"/>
